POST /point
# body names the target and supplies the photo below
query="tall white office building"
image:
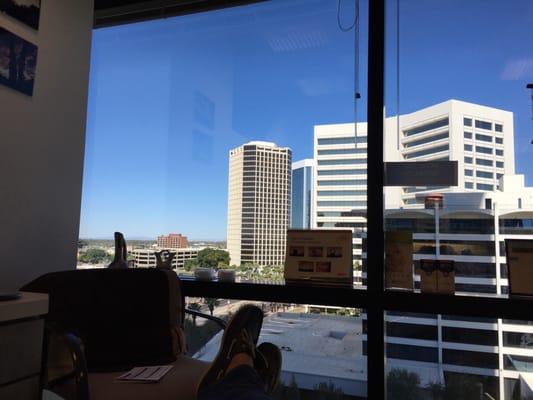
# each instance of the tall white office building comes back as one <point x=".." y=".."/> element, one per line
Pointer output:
<point x="489" y="205"/>
<point x="340" y="200"/>
<point x="258" y="203"/>
<point x="480" y="138"/>
<point x="470" y="229"/>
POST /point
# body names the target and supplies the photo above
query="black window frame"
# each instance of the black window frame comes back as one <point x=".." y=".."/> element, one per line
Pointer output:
<point x="375" y="299"/>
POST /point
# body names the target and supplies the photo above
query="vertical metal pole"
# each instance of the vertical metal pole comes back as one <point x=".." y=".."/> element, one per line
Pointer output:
<point x="375" y="238"/>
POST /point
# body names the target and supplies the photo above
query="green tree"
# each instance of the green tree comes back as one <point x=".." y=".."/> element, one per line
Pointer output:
<point x="211" y="304"/>
<point x="212" y="258"/>
<point x="190" y="265"/>
<point x="436" y="391"/>
<point x="403" y="385"/>
<point x="94" y="256"/>
<point x="463" y="387"/>
<point x="327" y="391"/>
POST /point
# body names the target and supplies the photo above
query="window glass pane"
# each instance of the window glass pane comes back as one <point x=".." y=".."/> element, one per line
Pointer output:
<point x="426" y="127"/>
<point x="468" y="135"/>
<point x="468" y="160"/>
<point x="483" y="125"/>
<point x="484" y="174"/>
<point x="225" y="159"/>
<point x="483" y="161"/>
<point x="467" y="121"/>
<point x="484" y="150"/>
<point x="483" y="138"/>
<point x="321" y="347"/>
<point x="431" y="357"/>
<point x="468" y="172"/>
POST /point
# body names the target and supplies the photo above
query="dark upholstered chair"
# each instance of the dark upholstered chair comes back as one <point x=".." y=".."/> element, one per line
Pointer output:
<point x="103" y="322"/>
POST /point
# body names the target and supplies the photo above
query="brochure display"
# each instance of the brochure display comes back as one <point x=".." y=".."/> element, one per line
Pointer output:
<point x="319" y="256"/>
<point x="519" y="253"/>
<point x="399" y="260"/>
<point x="437" y="276"/>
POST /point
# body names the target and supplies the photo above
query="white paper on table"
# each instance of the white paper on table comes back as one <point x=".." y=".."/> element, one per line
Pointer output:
<point x="146" y="374"/>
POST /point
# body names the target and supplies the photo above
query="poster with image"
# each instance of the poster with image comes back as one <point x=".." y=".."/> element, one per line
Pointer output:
<point x="26" y="11"/>
<point x="18" y="60"/>
<point x="399" y="260"/>
<point x="319" y="256"/>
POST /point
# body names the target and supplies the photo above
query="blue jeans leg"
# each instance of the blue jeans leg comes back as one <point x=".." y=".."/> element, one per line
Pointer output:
<point x="241" y="383"/>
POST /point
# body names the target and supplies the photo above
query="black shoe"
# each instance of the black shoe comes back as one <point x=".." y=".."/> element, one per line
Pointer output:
<point x="240" y="336"/>
<point x="271" y="368"/>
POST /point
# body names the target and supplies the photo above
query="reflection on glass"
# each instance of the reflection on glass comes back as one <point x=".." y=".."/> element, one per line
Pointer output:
<point x="322" y="347"/>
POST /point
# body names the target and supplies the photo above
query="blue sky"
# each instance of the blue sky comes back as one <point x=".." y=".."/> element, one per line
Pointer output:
<point x="169" y="98"/>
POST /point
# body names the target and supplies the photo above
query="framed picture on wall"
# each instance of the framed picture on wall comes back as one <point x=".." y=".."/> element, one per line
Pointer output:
<point x="27" y="11"/>
<point x="18" y="60"/>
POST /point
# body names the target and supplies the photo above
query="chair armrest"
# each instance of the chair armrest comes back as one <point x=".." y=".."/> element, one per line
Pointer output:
<point x="219" y="321"/>
<point x="80" y="366"/>
<point x="78" y="371"/>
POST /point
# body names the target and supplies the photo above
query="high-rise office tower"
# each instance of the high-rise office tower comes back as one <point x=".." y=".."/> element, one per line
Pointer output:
<point x="480" y="138"/>
<point x="302" y="193"/>
<point x="340" y="179"/>
<point x="258" y="203"/>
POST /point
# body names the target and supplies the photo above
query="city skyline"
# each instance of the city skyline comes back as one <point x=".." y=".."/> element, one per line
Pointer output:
<point x="162" y="116"/>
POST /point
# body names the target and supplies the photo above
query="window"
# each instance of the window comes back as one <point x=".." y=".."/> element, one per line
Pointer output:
<point x="466" y="248"/>
<point x="350" y="182"/>
<point x="426" y="152"/>
<point x="468" y="147"/>
<point x="483" y="138"/>
<point x="468" y="135"/>
<point x="466" y="225"/>
<point x="341" y="151"/>
<point x="467" y="121"/>
<point x="483" y="186"/>
<point x="472" y="336"/>
<point x="468" y="160"/>
<point x="350" y="161"/>
<point x="342" y="192"/>
<point x="477" y="269"/>
<point x="483" y="125"/>
<point x="430" y="139"/>
<point x="483" y="161"/>
<point x="469" y="185"/>
<point x="499" y="152"/>
<point x="499" y="140"/>
<point x="516" y="226"/>
<point x="339" y="140"/>
<point x="498" y="127"/>
<point x="427" y="127"/>
<point x="484" y="174"/>
<point x="484" y="150"/>
<point x="341" y="172"/>
<point x="341" y="203"/>
<point x="470" y="358"/>
<point x="499" y="164"/>
<point x="468" y="172"/>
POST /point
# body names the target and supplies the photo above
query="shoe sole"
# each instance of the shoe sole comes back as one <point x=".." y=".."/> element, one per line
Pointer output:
<point x="271" y="374"/>
<point x="221" y="361"/>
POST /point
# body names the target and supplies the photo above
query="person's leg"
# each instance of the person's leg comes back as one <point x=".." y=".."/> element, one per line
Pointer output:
<point x="240" y="383"/>
<point x="240" y="371"/>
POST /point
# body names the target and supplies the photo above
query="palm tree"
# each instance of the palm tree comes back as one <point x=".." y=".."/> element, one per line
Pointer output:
<point x="195" y="307"/>
<point x="211" y="304"/>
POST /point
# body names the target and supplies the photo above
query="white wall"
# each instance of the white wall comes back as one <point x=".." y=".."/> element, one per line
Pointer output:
<point x="42" y="146"/>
